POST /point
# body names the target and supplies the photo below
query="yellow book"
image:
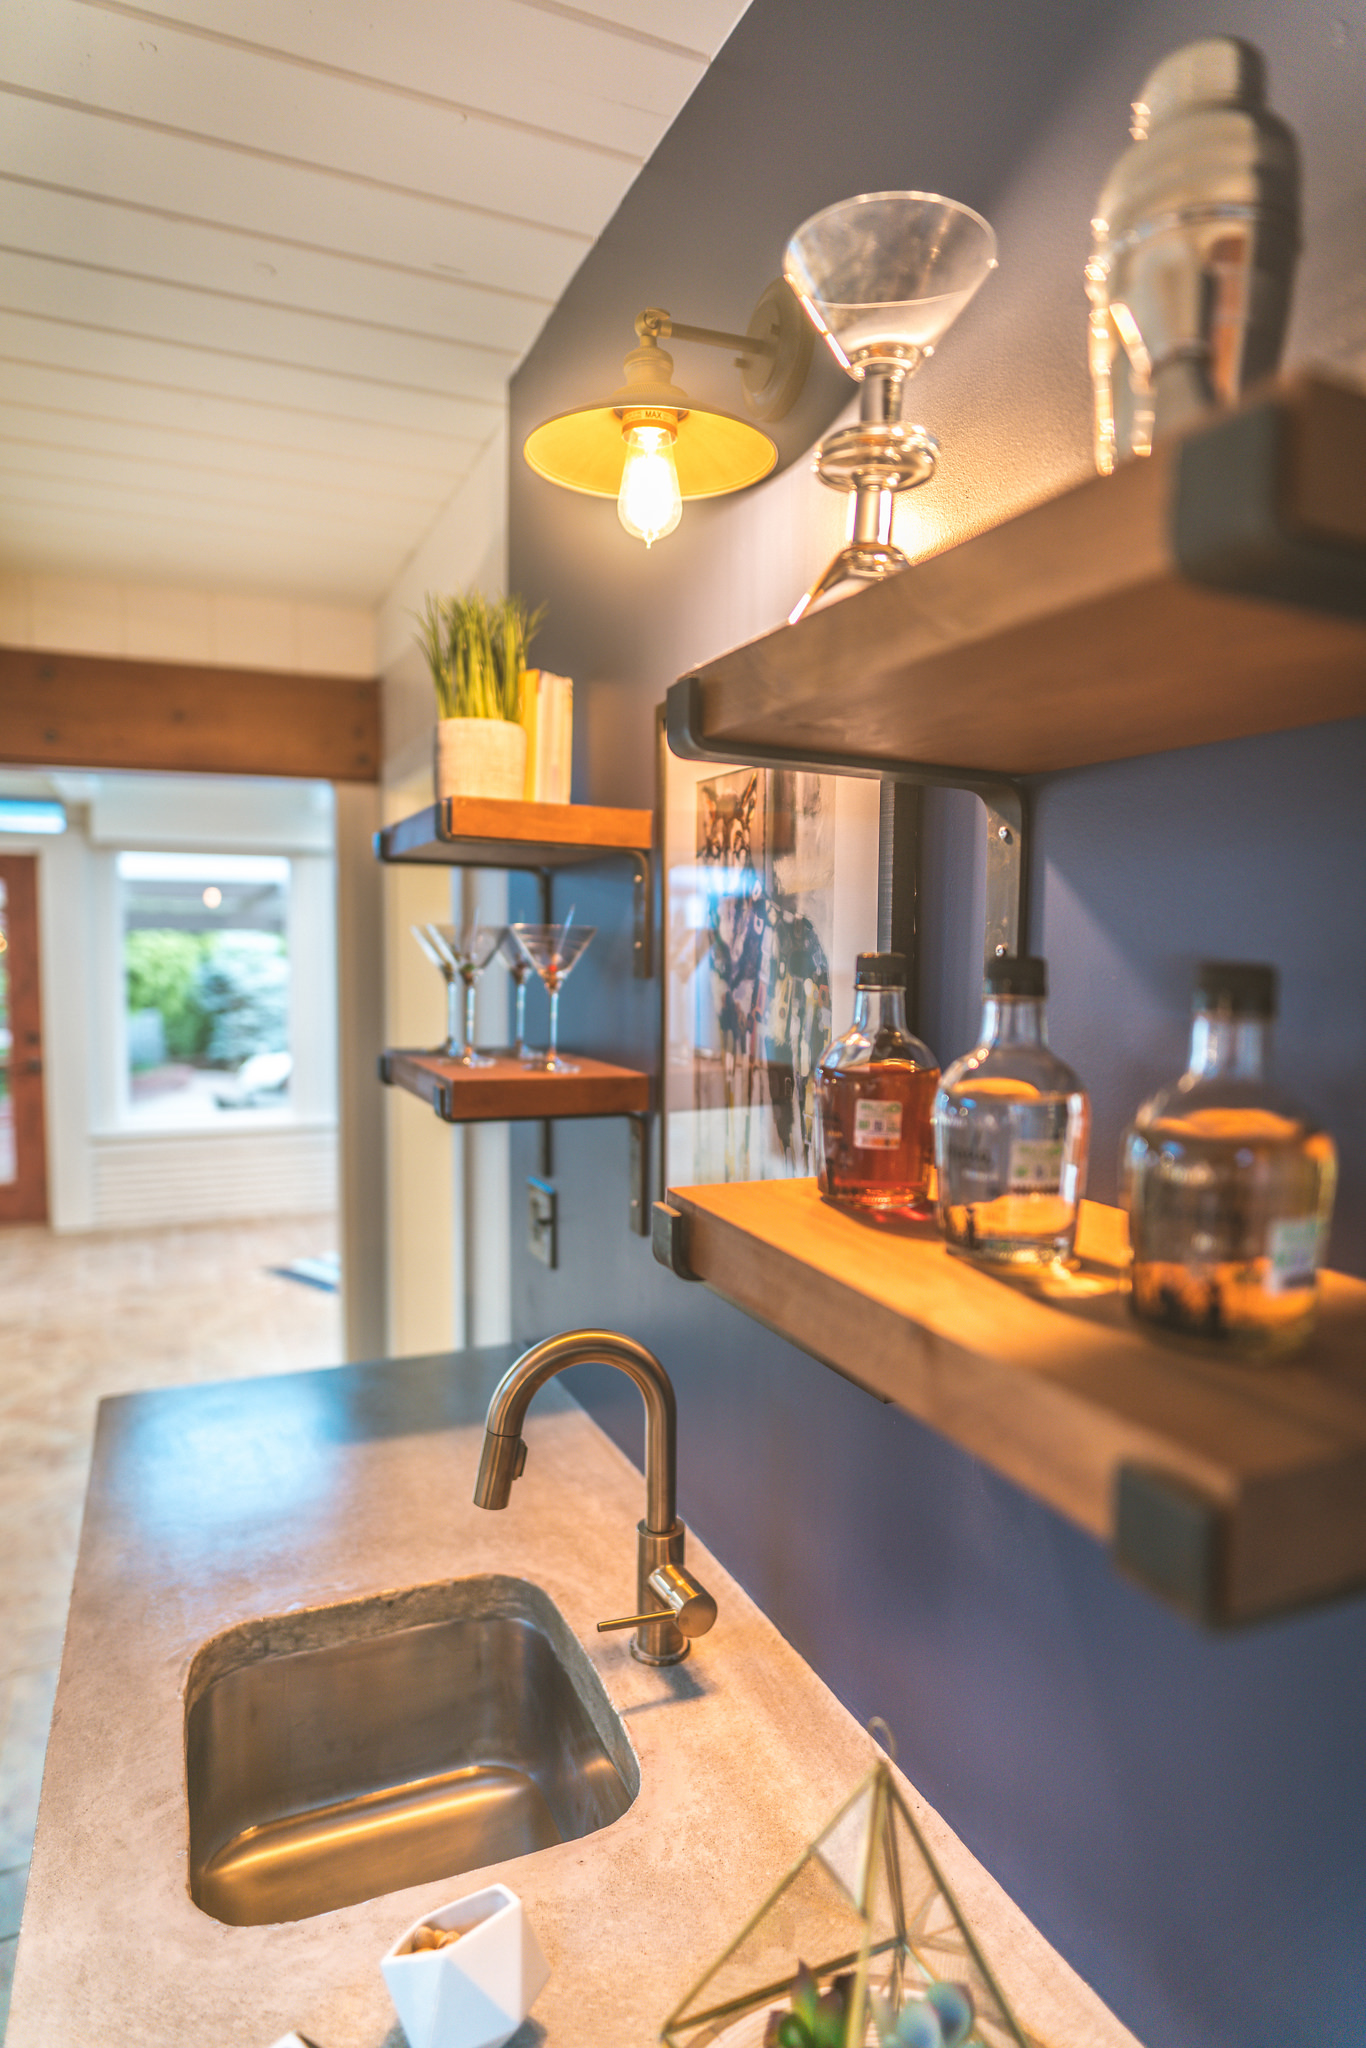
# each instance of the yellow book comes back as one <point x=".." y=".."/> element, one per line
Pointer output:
<point x="531" y="692"/>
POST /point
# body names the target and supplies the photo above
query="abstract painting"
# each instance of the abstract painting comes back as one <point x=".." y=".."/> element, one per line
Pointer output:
<point x="752" y="922"/>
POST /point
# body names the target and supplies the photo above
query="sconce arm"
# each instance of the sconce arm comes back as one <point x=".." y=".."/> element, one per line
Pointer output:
<point x="654" y="323"/>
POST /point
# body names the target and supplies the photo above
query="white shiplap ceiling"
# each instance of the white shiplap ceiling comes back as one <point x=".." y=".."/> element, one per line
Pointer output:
<point x="266" y="266"/>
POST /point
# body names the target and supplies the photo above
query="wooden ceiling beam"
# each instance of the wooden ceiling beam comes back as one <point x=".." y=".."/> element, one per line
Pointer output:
<point x="89" y="711"/>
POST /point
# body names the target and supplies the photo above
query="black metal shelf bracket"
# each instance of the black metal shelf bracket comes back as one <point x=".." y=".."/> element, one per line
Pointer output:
<point x="1006" y="801"/>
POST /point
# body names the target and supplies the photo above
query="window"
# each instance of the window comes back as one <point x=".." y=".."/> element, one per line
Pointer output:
<point x="206" y="966"/>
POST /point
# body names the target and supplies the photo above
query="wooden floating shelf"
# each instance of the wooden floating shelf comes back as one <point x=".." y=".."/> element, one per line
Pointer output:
<point x="509" y="1092"/>
<point x="1216" y="589"/>
<point x="1235" y="1491"/>
<point x="495" y="832"/>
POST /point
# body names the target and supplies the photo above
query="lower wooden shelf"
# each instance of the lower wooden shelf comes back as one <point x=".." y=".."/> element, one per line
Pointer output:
<point x="508" y="1091"/>
<point x="1234" y="1491"/>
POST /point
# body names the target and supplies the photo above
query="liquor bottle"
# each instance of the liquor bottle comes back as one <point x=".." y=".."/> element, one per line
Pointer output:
<point x="874" y="1093"/>
<point x="1011" y="1129"/>
<point x="1228" y="1183"/>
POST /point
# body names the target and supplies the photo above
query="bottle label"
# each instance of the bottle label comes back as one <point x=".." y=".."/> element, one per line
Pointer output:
<point x="1036" y="1165"/>
<point x="877" y="1126"/>
<point x="1293" y="1254"/>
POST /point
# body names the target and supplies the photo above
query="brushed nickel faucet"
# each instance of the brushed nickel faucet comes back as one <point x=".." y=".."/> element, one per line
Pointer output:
<point x="674" y="1607"/>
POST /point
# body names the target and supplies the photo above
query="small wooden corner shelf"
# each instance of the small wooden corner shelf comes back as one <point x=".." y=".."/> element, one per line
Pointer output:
<point x="1215" y="590"/>
<point x="509" y="1092"/>
<point x="1235" y="1491"/>
<point x="494" y="832"/>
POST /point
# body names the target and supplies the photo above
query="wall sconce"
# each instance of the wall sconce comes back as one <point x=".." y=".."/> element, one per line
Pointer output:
<point x="649" y="447"/>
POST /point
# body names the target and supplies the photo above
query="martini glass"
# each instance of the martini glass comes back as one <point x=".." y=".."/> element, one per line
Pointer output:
<point x="553" y="950"/>
<point x="882" y="277"/>
<point x="467" y="950"/>
<point x="520" y="968"/>
<point x="447" y="969"/>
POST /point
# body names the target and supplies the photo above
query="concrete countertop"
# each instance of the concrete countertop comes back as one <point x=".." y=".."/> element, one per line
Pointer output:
<point x="209" y="1506"/>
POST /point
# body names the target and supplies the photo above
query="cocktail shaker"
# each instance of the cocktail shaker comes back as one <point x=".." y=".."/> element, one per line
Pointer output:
<point x="1195" y="240"/>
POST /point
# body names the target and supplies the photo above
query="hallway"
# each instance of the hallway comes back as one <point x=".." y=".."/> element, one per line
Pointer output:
<point x="86" y="1316"/>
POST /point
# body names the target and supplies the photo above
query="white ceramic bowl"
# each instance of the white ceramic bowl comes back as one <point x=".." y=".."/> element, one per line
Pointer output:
<point x="476" y="1992"/>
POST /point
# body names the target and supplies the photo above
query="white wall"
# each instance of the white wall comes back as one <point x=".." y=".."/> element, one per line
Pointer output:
<point x="163" y="622"/>
<point x="448" y="1252"/>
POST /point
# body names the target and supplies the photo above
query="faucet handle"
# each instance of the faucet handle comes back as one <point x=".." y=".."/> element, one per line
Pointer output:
<point x="686" y="1603"/>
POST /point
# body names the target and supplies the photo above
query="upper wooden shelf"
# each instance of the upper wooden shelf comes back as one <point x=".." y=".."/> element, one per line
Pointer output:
<point x="510" y="1092"/>
<point x="1214" y="590"/>
<point x="1233" y="1490"/>
<point x="493" y="832"/>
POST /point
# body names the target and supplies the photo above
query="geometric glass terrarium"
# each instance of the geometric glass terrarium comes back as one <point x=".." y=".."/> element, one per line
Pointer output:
<point x="867" y="1905"/>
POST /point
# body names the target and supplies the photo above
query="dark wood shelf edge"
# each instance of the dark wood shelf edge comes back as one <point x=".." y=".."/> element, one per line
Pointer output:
<point x="1201" y="1539"/>
<point x="510" y="1093"/>
<point x="1191" y="583"/>
<point x="554" y="835"/>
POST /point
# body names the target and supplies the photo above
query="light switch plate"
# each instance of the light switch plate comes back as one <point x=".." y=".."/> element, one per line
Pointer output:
<point x="542" y="1221"/>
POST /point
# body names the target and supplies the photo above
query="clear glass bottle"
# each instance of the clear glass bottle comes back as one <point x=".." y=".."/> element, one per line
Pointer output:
<point x="1011" y="1129"/>
<point x="1228" y="1183"/>
<point x="874" y="1094"/>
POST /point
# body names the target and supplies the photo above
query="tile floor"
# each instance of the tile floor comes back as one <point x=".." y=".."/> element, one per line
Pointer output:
<point x="82" y="1317"/>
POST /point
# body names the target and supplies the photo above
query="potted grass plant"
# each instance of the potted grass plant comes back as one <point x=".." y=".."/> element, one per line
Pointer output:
<point x="476" y="650"/>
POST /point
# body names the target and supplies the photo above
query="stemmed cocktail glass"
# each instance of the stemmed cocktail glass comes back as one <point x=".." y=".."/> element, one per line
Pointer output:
<point x="553" y="950"/>
<point x="882" y="277"/>
<point x="514" y="958"/>
<point x="448" y="972"/>
<point x="462" y="952"/>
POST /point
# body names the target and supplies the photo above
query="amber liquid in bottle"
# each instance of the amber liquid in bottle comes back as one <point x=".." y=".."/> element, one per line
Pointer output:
<point x="879" y="1137"/>
<point x="875" y="1094"/>
<point x="1229" y="1185"/>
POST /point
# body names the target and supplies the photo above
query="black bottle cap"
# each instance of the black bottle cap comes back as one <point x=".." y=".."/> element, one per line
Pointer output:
<point x="1025" y="976"/>
<point x="880" y="970"/>
<point x="1241" y="988"/>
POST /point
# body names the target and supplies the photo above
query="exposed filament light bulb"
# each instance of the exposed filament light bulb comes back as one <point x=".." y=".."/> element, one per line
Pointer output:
<point x="649" y="503"/>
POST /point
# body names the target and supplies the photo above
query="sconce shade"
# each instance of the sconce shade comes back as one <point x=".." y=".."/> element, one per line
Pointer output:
<point x="715" y="452"/>
<point x="585" y="450"/>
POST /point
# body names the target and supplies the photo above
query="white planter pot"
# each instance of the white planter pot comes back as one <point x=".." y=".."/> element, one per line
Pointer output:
<point x="480" y="757"/>
<point x="476" y="1993"/>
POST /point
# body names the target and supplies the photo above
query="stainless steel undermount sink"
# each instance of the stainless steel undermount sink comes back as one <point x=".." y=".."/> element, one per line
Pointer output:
<point x="340" y="1753"/>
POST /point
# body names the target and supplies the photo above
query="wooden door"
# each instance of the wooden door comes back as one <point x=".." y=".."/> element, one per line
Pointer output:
<point x="23" y="1151"/>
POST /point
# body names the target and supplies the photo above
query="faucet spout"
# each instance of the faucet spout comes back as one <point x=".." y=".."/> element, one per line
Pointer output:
<point x="659" y="1637"/>
<point x="504" y="1455"/>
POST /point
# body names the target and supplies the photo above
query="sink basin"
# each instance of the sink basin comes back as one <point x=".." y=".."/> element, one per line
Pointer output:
<point x="336" y="1754"/>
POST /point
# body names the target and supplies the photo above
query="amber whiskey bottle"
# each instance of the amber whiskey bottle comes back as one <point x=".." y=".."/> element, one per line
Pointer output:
<point x="874" y="1098"/>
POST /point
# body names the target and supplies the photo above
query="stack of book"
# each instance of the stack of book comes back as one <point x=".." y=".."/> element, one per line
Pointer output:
<point x="548" y="715"/>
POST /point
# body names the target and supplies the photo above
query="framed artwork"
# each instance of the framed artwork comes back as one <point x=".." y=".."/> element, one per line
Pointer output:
<point x="770" y="889"/>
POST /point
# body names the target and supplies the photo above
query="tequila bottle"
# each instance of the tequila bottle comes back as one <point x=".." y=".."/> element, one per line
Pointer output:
<point x="874" y="1093"/>
<point x="1011" y="1129"/>
<point x="1228" y="1183"/>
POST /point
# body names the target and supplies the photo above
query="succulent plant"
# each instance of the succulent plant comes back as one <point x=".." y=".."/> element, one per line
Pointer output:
<point x="937" y="2016"/>
<point x="815" y="2019"/>
<point x="940" y="2016"/>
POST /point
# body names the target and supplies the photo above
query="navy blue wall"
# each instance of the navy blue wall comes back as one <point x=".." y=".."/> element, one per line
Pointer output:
<point x="1184" y="1816"/>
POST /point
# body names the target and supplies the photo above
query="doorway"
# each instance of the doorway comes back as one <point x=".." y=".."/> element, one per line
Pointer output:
<point x="23" y="1147"/>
